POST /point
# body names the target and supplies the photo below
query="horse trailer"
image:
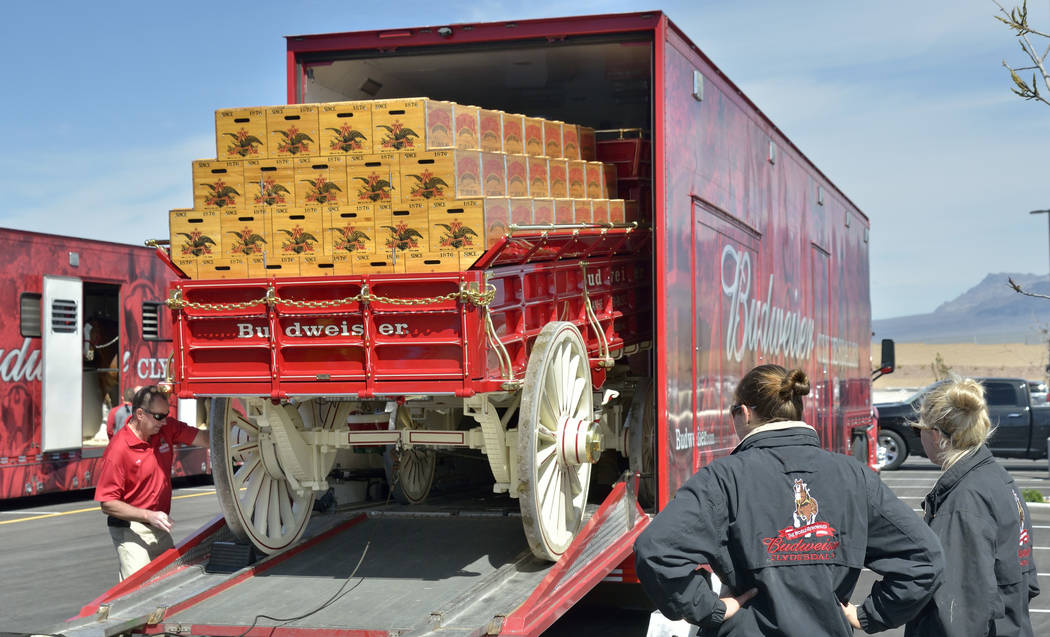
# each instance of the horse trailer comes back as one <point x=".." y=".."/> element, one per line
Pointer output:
<point x="86" y="321"/>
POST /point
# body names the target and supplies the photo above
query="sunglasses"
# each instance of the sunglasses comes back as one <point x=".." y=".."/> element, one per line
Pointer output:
<point x="158" y="415"/>
<point x="917" y="429"/>
<point x="735" y="409"/>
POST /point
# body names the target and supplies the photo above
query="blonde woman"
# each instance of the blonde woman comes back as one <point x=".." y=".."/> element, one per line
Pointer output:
<point x="787" y="527"/>
<point x="981" y="520"/>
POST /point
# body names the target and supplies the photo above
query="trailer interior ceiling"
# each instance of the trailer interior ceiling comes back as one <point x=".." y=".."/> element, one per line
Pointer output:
<point x="595" y="82"/>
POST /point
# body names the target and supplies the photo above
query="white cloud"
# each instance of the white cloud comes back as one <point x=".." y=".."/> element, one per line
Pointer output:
<point x="113" y="195"/>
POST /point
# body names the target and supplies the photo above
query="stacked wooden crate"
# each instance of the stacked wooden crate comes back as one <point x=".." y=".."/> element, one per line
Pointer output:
<point x="399" y="185"/>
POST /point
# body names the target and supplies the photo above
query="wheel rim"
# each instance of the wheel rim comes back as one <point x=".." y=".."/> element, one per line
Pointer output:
<point x="257" y="500"/>
<point x="556" y="399"/>
<point x="889" y="449"/>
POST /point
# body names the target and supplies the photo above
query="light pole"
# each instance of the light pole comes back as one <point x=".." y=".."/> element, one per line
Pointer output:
<point x="1047" y="213"/>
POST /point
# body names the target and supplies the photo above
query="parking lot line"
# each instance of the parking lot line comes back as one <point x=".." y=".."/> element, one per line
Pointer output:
<point x="94" y="508"/>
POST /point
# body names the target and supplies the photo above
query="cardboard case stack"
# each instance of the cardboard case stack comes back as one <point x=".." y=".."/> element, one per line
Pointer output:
<point x="381" y="186"/>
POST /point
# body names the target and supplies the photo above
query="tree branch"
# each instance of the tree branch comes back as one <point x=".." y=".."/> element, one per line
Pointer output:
<point x="1017" y="288"/>
<point x="1017" y="21"/>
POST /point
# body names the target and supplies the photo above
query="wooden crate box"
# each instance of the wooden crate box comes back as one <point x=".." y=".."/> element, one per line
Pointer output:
<point x="195" y="234"/>
<point x="552" y="139"/>
<point x="269" y="184"/>
<point x="558" y="179"/>
<point x="617" y="211"/>
<point x="402" y="227"/>
<point x="468" y="134"/>
<point x="375" y="263"/>
<point x="582" y="211"/>
<point x="490" y="125"/>
<point x="599" y="211"/>
<point x="456" y="224"/>
<point x="588" y="143"/>
<point x="292" y="130"/>
<point x="345" y="127"/>
<point x="246" y="232"/>
<point x="423" y="262"/>
<point x="402" y="125"/>
<point x="533" y="139"/>
<point x="240" y="133"/>
<point x="563" y="213"/>
<point x="428" y="174"/>
<point x="260" y="267"/>
<point x="320" y="181"/>
<point x="494" y="174"/>
<point x="612" y="187"/>
<point x="298" y="232"/>
<point x="594" y="180"/>
<point x="223" y="268"/>
<point x="521" y="211"/>
<point x="218" y="184"/>
<point x="468" y="173"/>
<point x="373" y="178"/>
<point x="518" y="175"/>
<point x="513" y="130"/>
<point x="577" y="179"/>
<point x="539" y="177"/>
<point x="324" y="265"/>
<point x="350" y="230"/>
<point x="542" y="212"/>
<point x="570" y="145"/>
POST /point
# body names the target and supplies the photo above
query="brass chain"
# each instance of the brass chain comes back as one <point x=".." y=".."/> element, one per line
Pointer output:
<point x="465" y="294"/>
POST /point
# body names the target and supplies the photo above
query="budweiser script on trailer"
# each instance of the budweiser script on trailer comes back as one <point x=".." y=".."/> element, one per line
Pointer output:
<point x="25" y="365"/>
<point x="754" y="325"/>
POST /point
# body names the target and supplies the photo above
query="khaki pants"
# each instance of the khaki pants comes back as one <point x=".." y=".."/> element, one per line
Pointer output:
<point x="138" y="545"/>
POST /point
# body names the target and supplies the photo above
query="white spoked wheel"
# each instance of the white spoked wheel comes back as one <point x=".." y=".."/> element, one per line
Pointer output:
<point x="557" y="440"/>
<point x="642" y="445"/>
<point x="409" y="472"/>
<point x="258" y="501"/>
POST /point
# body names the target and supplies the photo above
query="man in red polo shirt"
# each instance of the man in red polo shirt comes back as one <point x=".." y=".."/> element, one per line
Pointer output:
<point x="134" y="483"/>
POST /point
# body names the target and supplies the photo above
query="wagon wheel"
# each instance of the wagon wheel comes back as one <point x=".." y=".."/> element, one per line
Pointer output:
<point x="557" y="440"/>
<point x="642" y="446"/>
<point x="409" y="472"/>
<point x="256" y="498"/>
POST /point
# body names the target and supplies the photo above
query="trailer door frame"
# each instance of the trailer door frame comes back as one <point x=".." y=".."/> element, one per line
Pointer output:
<point x="62" y="313"/>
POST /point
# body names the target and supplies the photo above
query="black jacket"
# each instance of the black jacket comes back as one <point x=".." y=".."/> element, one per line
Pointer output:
<point x="990" y="575"/>
<point x="798" y="523"/>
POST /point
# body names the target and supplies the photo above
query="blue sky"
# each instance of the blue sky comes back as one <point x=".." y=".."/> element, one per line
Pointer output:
<point x="904" y="105"/>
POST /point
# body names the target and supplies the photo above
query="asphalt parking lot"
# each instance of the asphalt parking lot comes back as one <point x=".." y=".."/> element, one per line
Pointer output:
<point x="57" y="554"/>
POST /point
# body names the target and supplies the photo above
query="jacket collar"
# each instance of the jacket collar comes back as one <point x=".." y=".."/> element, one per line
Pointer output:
<point x="780" y="435"/>
<point x="954" y="475"/>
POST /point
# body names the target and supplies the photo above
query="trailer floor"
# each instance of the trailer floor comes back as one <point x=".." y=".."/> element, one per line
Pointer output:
<point x="434" y="570"/>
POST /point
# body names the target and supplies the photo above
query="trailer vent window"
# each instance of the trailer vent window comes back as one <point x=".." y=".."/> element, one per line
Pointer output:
<point x="151" y="320"/>
<point x="63" y="316"/>
<point x="820" y="195"/>
<point x="772" y="152"/>
<point x="29" y="315"/>
<point x="698" y="86"/>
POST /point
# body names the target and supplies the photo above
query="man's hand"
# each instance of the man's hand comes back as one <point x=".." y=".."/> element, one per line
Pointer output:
<point x="850" y="611"/>
<point x="733" y="604"/>
<point x="160" y="520"/>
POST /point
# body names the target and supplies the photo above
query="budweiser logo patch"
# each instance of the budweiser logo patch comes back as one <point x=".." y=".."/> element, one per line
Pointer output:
<point x="807" y="539"/>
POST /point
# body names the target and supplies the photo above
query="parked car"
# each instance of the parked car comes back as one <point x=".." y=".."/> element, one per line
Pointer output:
<point x="1021" y="422"/>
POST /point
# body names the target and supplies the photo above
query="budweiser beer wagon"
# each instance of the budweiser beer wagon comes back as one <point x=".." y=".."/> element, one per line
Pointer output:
<point x="552" y="246"/>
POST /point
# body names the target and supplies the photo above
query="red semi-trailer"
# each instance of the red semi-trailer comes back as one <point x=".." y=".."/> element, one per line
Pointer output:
<point x="85" y="320"/>
<point x="566" y="355"/>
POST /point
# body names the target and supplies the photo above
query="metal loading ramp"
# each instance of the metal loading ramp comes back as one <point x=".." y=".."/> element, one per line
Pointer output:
<point x="442" y="570"/>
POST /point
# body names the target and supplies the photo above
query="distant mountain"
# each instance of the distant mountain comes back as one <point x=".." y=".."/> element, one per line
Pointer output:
<point x="989" y="312"/>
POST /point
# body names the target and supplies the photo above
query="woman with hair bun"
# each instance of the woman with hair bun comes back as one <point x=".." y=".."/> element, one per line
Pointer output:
<point x="787" y="527"/>
<point x="981" y="519"/>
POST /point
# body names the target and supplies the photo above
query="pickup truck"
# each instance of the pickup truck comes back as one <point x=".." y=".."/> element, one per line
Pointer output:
<point x="1021" y="424"/>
